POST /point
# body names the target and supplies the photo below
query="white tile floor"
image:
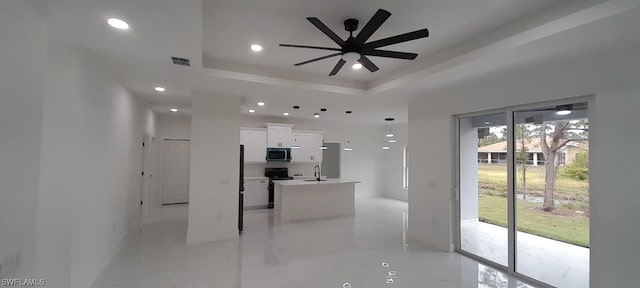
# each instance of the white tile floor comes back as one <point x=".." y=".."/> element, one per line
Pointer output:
<point x="553" y="262"/>
<point x="323" y="253"/>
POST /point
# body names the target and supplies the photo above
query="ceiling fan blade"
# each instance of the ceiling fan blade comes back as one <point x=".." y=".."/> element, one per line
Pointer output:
<point x="366" y="62"/>
<point x="338" y="66"/>
<point x="311" y="47"/>
<point x="316" y="22"/>
<point x="372" y="26"/>
<point x="391" y="54"/>
<point x="317" y="59"/>
<point x="397" y="39"/>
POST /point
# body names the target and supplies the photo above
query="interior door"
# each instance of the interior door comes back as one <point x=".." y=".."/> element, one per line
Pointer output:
<point x="176" y="161"/>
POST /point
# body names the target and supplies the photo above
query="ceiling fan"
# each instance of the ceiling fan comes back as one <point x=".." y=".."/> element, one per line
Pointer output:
<point x="357" y="48"/>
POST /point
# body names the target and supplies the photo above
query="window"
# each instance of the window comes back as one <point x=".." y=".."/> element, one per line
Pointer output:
<point x="562" y="159"/>
<point x="405" y="168"/>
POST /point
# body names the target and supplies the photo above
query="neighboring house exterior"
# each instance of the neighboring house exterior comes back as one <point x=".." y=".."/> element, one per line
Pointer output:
<point x="496" y="153"/>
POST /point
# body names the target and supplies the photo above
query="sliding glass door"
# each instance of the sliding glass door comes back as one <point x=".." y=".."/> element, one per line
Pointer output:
<point x="523" y="194"/>
<point x="552" y="192"/>
<point x="483" y="186"/>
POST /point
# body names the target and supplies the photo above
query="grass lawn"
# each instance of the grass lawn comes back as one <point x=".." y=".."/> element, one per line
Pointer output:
<point x="495" y="176"/>
<point x="565" y="227"/>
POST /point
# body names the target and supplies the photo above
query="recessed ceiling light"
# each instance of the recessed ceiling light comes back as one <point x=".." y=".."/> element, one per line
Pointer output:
<point x="357" y="66"/>
<point x="392" y="141"/>
<point x="256" y="47"/>
<point x="487" y="123"/>
<point x="316" y="115"/>
<point x="118" y="23"/>
<point x="386" y="147"/>
<point x="390" y="135"/>
<point x="252" y="111"/>
<point x="348" y="149"/>
<point x="159" y="89"/>
<point x="174" y="110"/>
<point x="563" y="112"/>
<point x="295" y="147"/>
<point x="285" y="113"/>
<point x="323" y="147"/>
<point x="260" y="103"/>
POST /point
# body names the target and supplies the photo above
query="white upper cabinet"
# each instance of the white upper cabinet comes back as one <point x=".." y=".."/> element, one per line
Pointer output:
<point x="255" y="144"/>
<point x="279" y="135"/>
<point x="306" y="146"/>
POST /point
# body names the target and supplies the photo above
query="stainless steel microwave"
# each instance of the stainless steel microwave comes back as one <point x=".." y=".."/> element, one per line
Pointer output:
<point x="278" y="154"/>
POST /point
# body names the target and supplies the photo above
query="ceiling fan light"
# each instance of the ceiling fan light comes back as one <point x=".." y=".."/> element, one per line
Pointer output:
<point x="351" y="56"/>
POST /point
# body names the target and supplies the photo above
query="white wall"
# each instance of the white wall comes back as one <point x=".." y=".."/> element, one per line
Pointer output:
<point x="393" y="163"/>
<point x="173" y="126"/>
<point x="364" y="163"/>
<point x="22" y="78"/>
<point x="615" y="197"/>
<point x="609" y="70"/>
<point x="468" y="170"/>
<point x="90" y="180"/>
<point x="214" y="172"/>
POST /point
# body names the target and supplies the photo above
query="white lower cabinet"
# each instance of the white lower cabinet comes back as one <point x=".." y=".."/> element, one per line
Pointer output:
<point x="256" y="193"/>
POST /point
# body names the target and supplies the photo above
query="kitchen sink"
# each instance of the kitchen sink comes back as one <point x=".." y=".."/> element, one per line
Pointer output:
<point x="314" y="180"/>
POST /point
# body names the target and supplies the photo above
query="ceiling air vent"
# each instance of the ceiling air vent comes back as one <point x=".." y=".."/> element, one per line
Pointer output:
<point x="180" y="61"/>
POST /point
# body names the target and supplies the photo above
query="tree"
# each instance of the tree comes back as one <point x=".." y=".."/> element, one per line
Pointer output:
<point x="489" y="139"/>
<point x="560" y="133"/>
<point x="558" y="139"/>
<point x="522" y="156"/>
<point x="579" y="169"/>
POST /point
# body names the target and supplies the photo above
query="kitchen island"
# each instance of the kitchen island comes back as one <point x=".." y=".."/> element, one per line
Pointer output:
<point x="297" y="200"/>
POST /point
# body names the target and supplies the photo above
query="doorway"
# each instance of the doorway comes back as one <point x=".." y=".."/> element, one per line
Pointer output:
<point x="331" y="160"/>
<point x="147" y="172"/>
<point x="523" y="191"/>
<point x="175" y="180"/>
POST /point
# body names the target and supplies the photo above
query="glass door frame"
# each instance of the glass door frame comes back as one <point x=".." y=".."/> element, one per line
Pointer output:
<point x="511" y="173"/>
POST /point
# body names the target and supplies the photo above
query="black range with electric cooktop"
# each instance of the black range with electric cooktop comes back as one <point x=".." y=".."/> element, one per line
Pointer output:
<point x="275" y="174"/>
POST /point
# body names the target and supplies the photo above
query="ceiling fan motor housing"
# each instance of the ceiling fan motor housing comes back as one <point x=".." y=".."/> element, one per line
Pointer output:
<point x="351" y="25"/>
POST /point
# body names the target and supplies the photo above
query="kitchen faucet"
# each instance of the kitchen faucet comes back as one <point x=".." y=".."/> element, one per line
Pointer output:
<point x="316" y="172"/>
